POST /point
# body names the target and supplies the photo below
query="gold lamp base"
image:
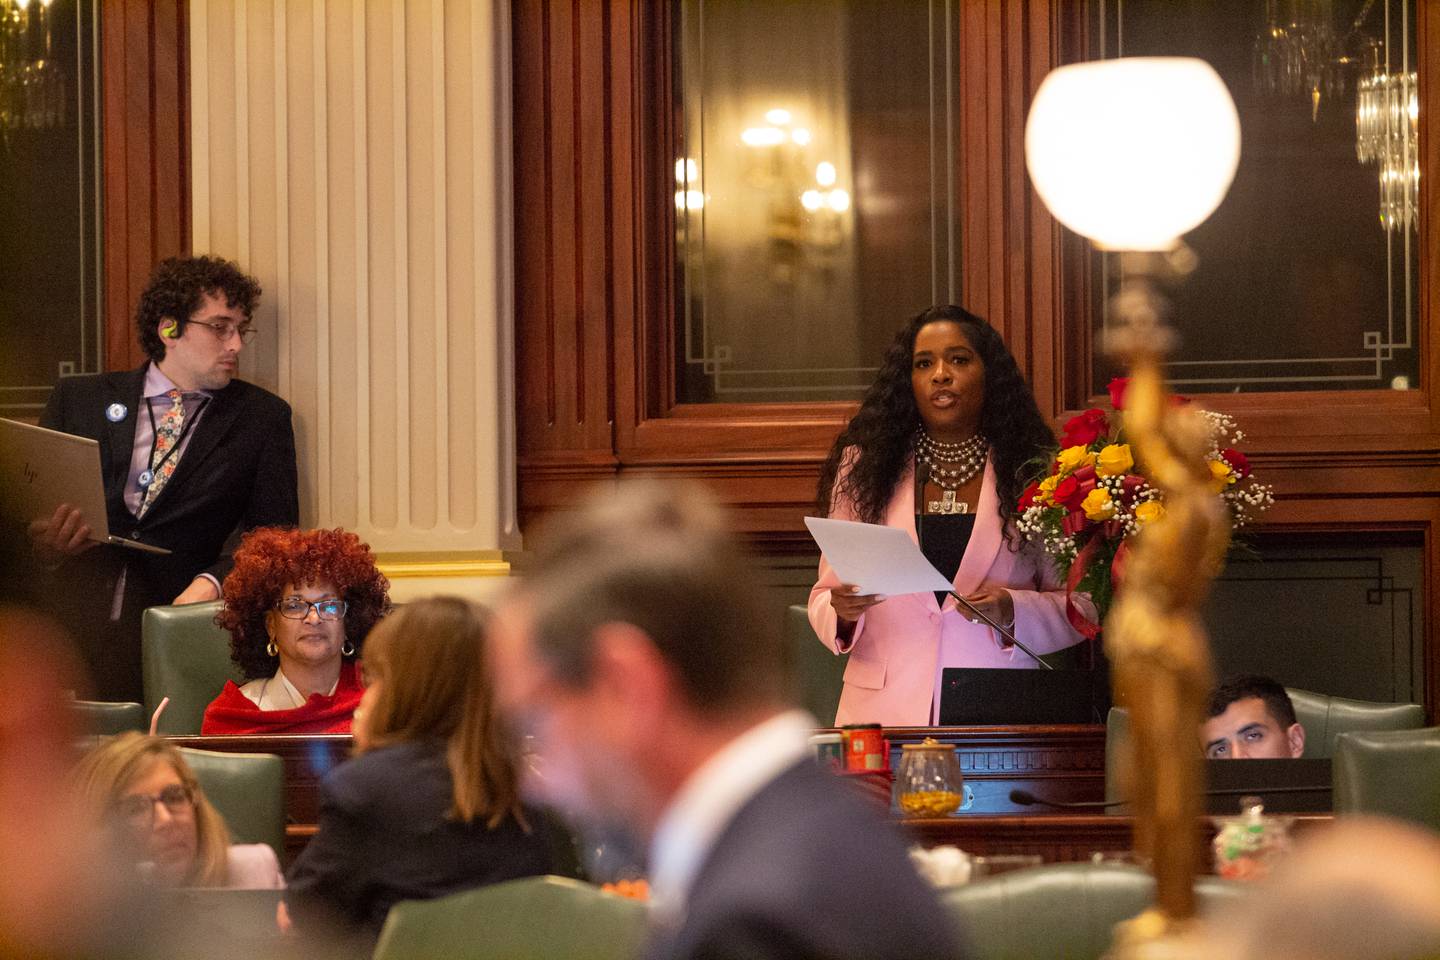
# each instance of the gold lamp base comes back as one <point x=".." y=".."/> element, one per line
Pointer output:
<point x="1154" y="936"/>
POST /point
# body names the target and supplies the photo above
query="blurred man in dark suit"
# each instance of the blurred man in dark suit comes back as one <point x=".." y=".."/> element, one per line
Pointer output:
<point x="189" y="456"/>
<point x="640" y="655"/>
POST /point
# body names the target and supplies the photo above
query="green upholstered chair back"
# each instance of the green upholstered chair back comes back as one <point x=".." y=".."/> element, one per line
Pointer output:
<point x="103" y="719"/>
<point x="1324" y="718"/>
<point x="185" y="657"/>
<point x="1117" y="732"/>
<point x="1061" y="911"/>
<point x="816" y="674"/>
<point x="529" y="919"/>
<point x="249" y="791"/>
<point x="1393" y="773"/>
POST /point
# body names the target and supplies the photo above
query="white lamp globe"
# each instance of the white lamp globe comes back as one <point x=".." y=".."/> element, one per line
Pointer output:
<point x="1134" y="152"/>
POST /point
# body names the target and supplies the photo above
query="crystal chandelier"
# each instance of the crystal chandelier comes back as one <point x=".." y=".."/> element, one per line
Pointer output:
<point x="1387" y="133"/>
<point x="1297" y="52"/>
<point x="32" y="85"/>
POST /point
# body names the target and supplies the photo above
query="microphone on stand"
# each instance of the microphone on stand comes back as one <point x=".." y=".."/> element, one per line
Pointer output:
<point x="922" y="476"/>
<point x="1024" y="798"/>
<point x="1001" y="630"/>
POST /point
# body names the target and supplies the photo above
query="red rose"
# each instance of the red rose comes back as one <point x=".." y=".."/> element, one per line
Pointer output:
<point x="1117" y="392"/>
<point x="1238" y="462"/>
<point x="1069" y="493"/>
<point x="1027" y="499"/>
<point x="1085" y="429"/>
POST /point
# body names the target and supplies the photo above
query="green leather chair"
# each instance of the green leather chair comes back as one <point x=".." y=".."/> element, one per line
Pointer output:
<point x="1061" y="911"/>
<point x="1324" y="718"/>
<point x="249" y="791"/>
<point x="186" y="657"/>
<point x="1393" y="773"/>
<point x="529" y="919"/>
<point x="103" y="719"/>
<point x="816" y="674"/>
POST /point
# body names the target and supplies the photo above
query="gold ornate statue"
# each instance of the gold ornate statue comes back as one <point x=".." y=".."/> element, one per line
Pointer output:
<point x="1159" y="653"/>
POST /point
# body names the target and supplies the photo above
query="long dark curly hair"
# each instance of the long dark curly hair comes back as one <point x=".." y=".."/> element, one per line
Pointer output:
<point x="178" y="287"/>
<point x="270" y="558"/>
<point x="878" y="441"/>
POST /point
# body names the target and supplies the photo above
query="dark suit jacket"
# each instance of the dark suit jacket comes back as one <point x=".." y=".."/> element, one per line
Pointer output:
<point x="805" y="870"/>
<point x="385" y="836"/>
<point x="238" y="471"/>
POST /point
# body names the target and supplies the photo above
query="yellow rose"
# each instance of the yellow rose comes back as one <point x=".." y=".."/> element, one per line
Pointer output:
<point x="1046" y="493"/>
<point x="1114" y="460"/>
<point x="1149" y="511"/>
<point x="1073" y="458"/>
<point x="1220" y="475"/>
<point x="1098" y="505"/>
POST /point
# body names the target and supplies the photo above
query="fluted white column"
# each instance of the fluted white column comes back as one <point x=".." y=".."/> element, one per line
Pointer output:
<point x="354" y="156"/>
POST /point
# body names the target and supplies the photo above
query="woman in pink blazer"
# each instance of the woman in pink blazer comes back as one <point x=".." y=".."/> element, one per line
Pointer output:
<point x="951" y="419"/>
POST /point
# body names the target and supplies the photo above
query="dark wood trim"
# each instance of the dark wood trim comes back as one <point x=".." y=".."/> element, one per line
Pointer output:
<point x="146" y="155"/>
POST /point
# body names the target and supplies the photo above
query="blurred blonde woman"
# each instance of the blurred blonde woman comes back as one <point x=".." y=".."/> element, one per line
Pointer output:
<point x="431" y="804"/>
<point x="143" y="793"/>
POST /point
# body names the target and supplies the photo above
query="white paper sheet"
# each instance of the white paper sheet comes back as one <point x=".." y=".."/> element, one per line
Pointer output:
<point x="875" y="558"/>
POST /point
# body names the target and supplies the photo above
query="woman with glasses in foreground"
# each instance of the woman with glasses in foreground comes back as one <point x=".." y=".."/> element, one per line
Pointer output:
<point x="141" y="790"/>
<point x="431" y="803"/>
<point x="298" y="605"/>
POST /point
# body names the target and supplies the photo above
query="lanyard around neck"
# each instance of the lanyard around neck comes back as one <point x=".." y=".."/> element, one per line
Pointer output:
<point x="190" y="422"/>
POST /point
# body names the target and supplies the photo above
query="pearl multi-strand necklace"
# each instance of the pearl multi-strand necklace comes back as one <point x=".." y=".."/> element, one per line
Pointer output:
<point x="967" y="455"/>
<point x="967" y="458"/>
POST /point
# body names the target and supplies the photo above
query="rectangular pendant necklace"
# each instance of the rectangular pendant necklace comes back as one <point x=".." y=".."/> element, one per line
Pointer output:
<point x="947" y="504"/>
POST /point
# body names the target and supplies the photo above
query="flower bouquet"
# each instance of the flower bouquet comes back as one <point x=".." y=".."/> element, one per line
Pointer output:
<point x="1091" y="499"/>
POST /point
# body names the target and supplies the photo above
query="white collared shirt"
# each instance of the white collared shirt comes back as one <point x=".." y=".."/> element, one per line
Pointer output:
<point x="710" y="799"/>
<point x="277" y="692"/>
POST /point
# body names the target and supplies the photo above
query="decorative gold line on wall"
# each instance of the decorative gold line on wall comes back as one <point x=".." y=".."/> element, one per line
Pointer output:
<point x="346" y="153"/>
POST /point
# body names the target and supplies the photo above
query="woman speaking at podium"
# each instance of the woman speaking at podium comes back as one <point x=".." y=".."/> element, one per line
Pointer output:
<point x="939" y="448"/>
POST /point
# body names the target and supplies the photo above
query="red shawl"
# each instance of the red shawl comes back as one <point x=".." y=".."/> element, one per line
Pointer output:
<point x="234" y="713"/>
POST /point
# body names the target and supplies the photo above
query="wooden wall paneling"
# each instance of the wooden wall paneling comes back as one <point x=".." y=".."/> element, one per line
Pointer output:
<point x="563" y="273"/>
<point x="1332" y="456"/>
<point x="1369" y="516"/>
<point x="1019" y="263"/>
<point x="145" y="176"/>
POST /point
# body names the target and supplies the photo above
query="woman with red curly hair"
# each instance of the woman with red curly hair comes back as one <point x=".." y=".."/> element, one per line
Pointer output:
<point x="298" y="605"/>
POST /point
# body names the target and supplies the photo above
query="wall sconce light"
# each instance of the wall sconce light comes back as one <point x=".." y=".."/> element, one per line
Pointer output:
<point x="834" y="198"/>
<point x="687" y="175"/>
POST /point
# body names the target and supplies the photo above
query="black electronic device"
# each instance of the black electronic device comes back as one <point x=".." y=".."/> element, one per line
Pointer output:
<point x="976" y="696"/>
<point x="1284" y="786"/>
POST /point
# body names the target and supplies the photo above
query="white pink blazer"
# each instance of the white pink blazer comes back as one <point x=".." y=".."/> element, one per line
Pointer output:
<point x="900" y="645"/>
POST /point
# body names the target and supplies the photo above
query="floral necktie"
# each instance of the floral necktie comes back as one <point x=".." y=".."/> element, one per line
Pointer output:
<point x="167" y="434"/>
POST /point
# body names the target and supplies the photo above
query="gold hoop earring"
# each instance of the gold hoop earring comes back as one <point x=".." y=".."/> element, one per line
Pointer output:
<point x="271" y="649"/>
<point x="347" y="649"/>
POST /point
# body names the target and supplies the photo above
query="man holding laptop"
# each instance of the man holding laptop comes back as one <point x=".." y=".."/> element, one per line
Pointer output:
<point x="189" y="455"/>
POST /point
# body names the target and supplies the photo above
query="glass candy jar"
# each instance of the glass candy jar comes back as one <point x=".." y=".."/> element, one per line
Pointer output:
<point x="1246" y="846"/>
<point x="929" y="782"/>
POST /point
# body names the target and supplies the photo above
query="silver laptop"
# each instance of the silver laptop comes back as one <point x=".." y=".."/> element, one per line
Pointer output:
<point x="41" y="469"/>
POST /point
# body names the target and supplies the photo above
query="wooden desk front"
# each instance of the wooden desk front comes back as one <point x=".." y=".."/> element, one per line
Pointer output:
<point x="1060" y="763"/>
